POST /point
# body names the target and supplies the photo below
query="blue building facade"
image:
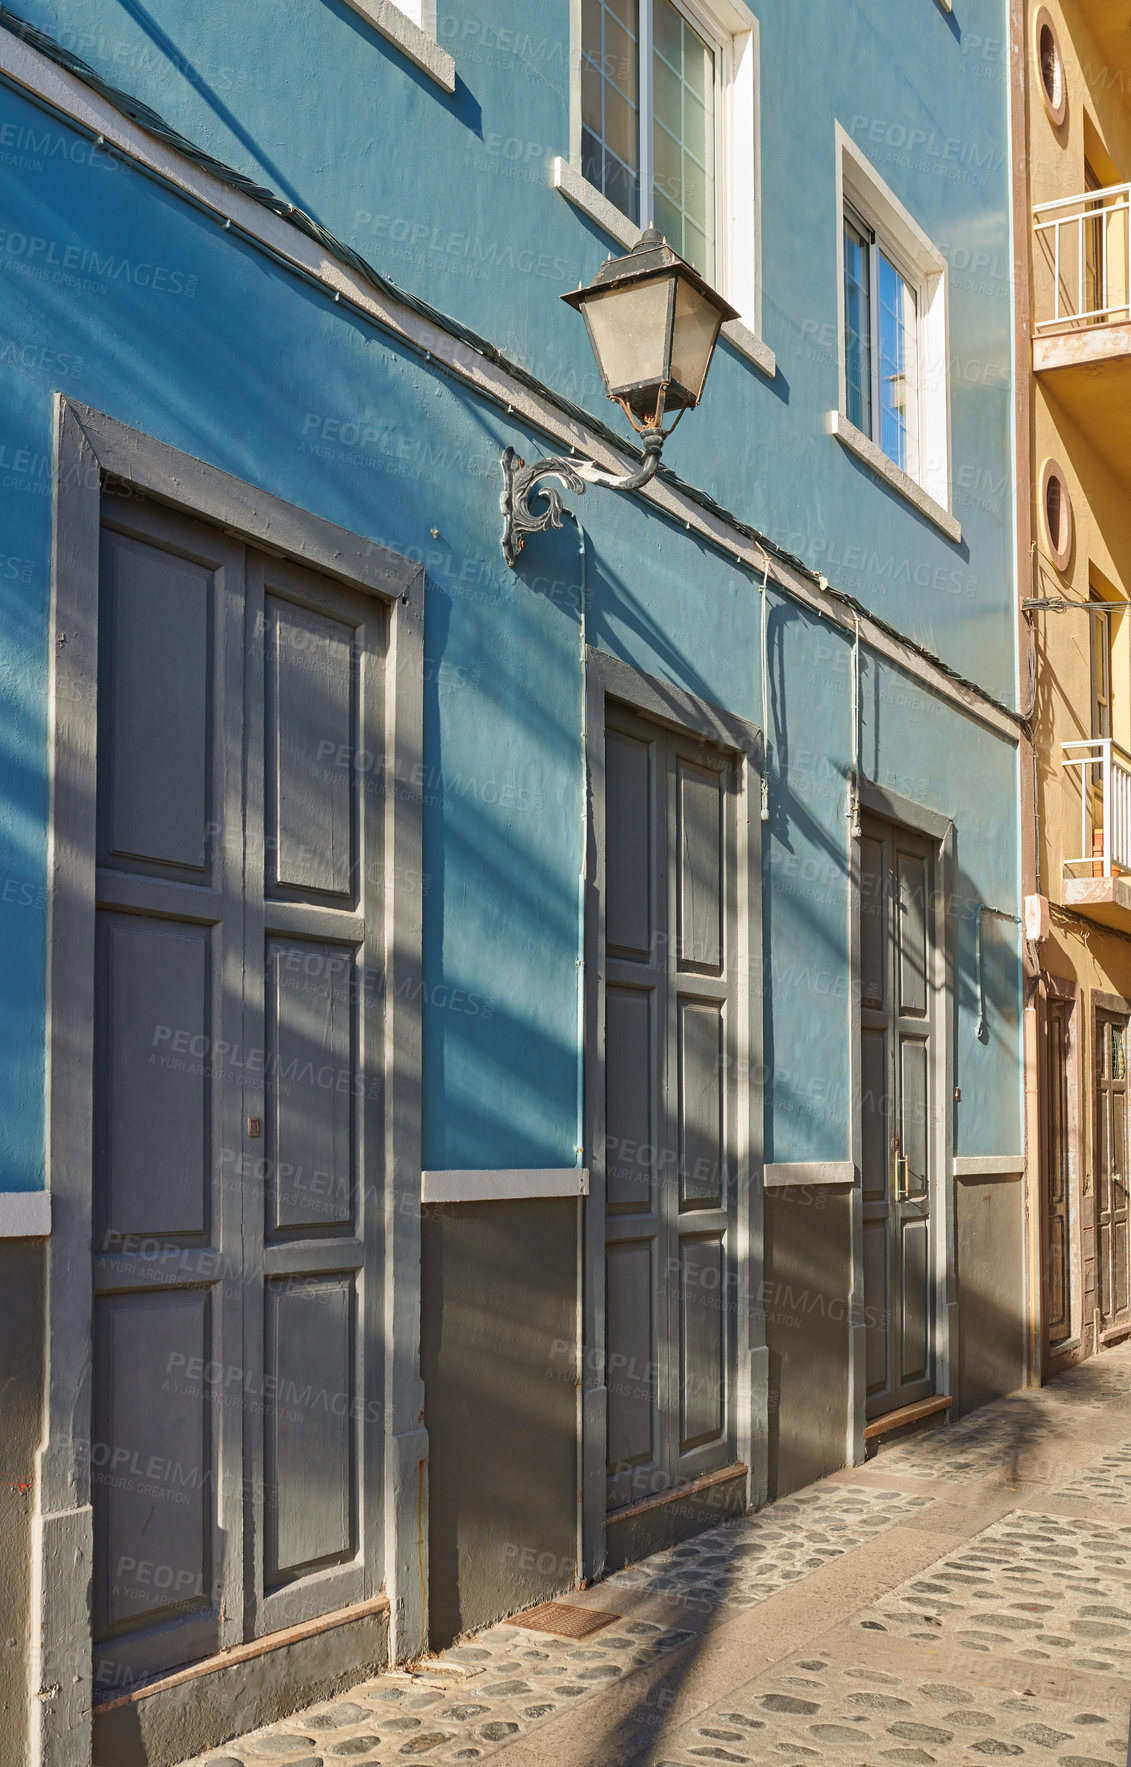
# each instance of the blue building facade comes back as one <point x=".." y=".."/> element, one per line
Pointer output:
<point x="689" y="846"/>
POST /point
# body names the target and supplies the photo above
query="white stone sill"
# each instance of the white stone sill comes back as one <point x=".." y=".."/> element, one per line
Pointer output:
<point x="25" y="1214"/>
<point x="420" y="48"/>
<point x="858" y="443"/>
<point x="589" y="200"/>
<point x="514" y="1185"/>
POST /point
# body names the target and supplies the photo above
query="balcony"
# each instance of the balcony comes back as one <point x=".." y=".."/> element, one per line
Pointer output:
<point x="1101" y="888"/>
<point x="1109" y="22"/>
<point x="1082" y="314"/>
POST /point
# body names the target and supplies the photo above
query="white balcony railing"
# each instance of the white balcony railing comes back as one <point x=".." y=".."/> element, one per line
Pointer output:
<point x="1083" y="269"/>
<point x="1105" y="805"/>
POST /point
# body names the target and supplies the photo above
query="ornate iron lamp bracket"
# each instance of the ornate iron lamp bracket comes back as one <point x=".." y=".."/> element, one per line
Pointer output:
<point x="520" y="482"/>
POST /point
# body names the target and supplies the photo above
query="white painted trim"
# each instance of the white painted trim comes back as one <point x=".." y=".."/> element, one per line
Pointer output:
<point x="805" y="1173"/>
<point x="503" y="1186"/>
<point x="858" y="443"/>
<point x="419" y="45"/>
<point x="992" y="1165"/>
<point x="25" y="1214"/>
<point x="62" y="93"/>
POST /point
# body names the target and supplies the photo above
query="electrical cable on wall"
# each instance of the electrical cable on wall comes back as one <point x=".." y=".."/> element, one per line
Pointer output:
<point x="854" y="795"/>
<point x="981" y="1030"/>
<point x="582" y="877"/>
<point x="765" y="698"/>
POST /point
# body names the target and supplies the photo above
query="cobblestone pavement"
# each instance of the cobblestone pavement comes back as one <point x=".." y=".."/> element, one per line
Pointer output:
<point x="964" y="1597"/>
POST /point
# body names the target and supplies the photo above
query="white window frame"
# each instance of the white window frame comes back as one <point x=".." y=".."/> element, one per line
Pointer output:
<point x="733" y="29"/>
<point x="416" y="41"/>
<point x="915" y="255"/>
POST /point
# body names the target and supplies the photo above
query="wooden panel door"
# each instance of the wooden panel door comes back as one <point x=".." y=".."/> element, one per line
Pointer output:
<point x="167" y="1438"/>
<point x="896" y="1115"/>
<point x="315" y="1007"/>
<point x="1055" y="1150"/>
<point x="669" y="1078"/>
<point x="1113" y="1243"/>
<point x="239" y="1172"/>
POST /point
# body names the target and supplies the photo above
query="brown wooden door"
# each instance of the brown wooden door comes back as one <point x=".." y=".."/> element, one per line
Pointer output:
<point x="1113" y="1244"/>
<point x="1055" y="1160"/>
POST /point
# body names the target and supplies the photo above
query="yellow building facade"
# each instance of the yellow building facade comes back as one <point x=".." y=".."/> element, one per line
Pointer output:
<point x="1073" y="65"/>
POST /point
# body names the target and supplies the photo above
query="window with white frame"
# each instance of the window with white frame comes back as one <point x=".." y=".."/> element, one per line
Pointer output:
<point x="664" y="134"/>
<point x="881" y="343"/>
<point x="894" y="399"/>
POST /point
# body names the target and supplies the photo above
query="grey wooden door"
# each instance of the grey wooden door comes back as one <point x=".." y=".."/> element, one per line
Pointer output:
<point x="669" y="873"/>
<point x="897" y="1117"/>
<point x="238" y="1184"/>
<point x="1113" y="1231"/>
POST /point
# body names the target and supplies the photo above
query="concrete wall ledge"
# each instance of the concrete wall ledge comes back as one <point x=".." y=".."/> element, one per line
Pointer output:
<point x="503" y="1186"/>
<point x="420" y="46"/>
<point x="25" y="1214"/>
<point x="804" y="1173"/>
<point x="989" y="1165"/>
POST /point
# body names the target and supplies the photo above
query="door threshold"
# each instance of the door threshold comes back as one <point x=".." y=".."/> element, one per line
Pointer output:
<point x="243" y="1653"/>
<point x="673" y="1493"/>
<point x="896" y="1420"/>
<point x="1114" y="1332"/>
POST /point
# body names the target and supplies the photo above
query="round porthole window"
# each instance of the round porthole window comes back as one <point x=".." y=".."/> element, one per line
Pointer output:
<point x="1056" y="515"/>
<point x="1050" y="66"/>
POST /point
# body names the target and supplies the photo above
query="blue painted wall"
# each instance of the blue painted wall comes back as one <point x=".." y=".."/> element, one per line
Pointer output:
<point x="184" y="333"/>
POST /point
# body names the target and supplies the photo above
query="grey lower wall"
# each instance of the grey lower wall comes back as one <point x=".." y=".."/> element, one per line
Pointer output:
<point x="499" y="1360"/>
<point x="807" y="1283"/>
<point x="163" y="1728"/>
<point x="22" y="1265"/>
<point x="990" y="1225"/>
<point x="637" y="1532"/>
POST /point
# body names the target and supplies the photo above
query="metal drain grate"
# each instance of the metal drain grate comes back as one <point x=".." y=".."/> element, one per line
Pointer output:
<point x="564" y="1620"/>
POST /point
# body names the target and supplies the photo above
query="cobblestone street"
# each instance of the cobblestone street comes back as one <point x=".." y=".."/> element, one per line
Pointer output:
<point x="964" y="1597"/>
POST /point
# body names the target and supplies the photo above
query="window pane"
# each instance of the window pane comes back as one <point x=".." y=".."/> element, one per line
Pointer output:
<point x="620" y="127"/>
<point x="899" y="368"/>
<point x="857" y="328"/>
<point x="683" y="136"/>
<point x="610" y="101"/>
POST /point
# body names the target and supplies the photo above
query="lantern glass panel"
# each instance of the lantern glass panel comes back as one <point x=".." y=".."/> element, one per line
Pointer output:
<point x="697" y="322"/>
<point x="628" y="328"/>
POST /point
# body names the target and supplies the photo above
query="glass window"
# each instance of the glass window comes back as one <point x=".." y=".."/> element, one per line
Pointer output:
<point x="1101" y="671"/>
<point x="610" y="106"/>
<point x="881" y="346"/>
<point x="857" y="326"/>
<point x="683" y="137"/>
<point x="650" y="120"/>
<point x="898" y="367"/>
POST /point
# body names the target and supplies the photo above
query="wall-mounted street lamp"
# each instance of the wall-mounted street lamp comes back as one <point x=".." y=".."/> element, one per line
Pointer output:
<point x="653" y="323"/>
